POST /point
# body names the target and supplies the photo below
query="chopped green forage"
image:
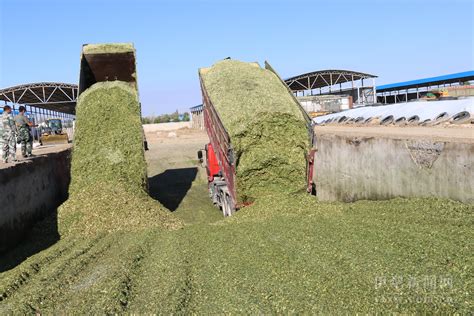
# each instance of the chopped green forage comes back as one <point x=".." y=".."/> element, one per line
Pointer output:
<point x="267" y="130"/>
<point x="108" y="48"/>
<point x="109" y="178"/>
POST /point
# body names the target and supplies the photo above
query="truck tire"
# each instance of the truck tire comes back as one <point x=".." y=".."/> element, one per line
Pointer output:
<point x="228" y="205"/>
<point x="223" y="202"/>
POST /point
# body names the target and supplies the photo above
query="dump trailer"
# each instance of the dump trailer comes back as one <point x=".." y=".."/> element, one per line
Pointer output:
<point x="108" y="62"/>
<point x="220" y="161"/>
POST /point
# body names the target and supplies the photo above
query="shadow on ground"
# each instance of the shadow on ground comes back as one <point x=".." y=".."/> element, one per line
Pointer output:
<point x="171" y="186"/>
<point x="40" y="237"/>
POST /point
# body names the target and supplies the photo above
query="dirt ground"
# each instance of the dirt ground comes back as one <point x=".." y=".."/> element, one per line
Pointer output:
<point x="176" y="178"/>
<point x="37" y="151"/>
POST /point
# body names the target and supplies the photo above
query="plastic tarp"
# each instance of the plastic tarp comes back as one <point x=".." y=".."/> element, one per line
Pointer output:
<point x="425" y="110"/>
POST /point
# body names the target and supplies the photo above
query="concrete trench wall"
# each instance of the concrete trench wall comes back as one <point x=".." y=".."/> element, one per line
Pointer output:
<point x="354" y="168"/>
<point x="29" y="191"/>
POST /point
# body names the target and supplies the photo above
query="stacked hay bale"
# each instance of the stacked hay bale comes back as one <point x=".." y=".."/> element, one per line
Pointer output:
<point x="267" y="129"/>
<point x="108" y="169"/>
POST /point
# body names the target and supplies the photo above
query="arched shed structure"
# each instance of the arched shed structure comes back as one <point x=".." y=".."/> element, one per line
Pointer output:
<point x="333" y="89"/>
<point x="325" y="78"/>
<point x="50" y="96"/>
<point x="43" y="101"/>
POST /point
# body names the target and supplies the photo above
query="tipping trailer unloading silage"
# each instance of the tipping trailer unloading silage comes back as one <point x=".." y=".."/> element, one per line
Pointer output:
<point x="108" y="62"/>
<point x="109" y="181"/>
<point x="260" y="136"/>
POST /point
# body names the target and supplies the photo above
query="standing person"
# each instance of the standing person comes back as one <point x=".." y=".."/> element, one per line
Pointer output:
<point x="1" y="135"/>
<point x="8" y="135"/>
<point x="24" y="131"/>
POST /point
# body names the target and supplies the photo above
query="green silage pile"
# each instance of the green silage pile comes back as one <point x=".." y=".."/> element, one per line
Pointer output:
<point x="284" y="254"/>
<point x="109" y="178"/>
<point x="108" y="48"/>
<point x="266" y="127"/>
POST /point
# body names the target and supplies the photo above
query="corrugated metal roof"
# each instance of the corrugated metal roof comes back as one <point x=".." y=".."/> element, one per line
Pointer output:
<point x="196" y="108"/>
<point x="54" y="96"/>
<point x="456" y="77"/>
<point x="324" y="78"/>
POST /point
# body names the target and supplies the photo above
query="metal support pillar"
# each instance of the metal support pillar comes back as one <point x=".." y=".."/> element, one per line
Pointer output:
<point x="374" y="89"/>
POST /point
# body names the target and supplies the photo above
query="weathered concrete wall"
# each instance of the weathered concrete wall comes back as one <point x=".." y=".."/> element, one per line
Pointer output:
<point x="325" y="103"/>
<point x="150" y="128"/>
<point x="349" y="168"/>
<point x="29" y="191"/>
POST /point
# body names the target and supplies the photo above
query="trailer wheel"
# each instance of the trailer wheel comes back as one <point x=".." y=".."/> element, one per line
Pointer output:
<point x="228" y="205"/>
<point x="222" y="202"/>
<point x="213" y="193"/>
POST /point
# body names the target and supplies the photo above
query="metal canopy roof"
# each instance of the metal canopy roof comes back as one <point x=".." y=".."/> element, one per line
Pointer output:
<point x="324" y="78"/>
<point x="196" y="108"/>
<point x="451" y="78"/>
<point x="54" y="96"/>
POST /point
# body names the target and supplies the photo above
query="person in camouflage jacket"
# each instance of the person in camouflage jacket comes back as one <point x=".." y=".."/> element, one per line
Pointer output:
<point x="8" y="132"/>
<point x="25" y="138"/>
<point x="1" y="136"/>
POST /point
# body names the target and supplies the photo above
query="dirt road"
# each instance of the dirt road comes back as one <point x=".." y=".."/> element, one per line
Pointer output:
<point x="37" y="151"/>
<point x="175" y="176"/>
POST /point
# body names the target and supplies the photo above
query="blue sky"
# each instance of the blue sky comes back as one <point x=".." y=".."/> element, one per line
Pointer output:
<point x="40" y="40"/>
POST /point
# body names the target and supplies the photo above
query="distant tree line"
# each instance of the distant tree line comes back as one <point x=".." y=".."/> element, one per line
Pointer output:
<point x="166" y="118"/>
